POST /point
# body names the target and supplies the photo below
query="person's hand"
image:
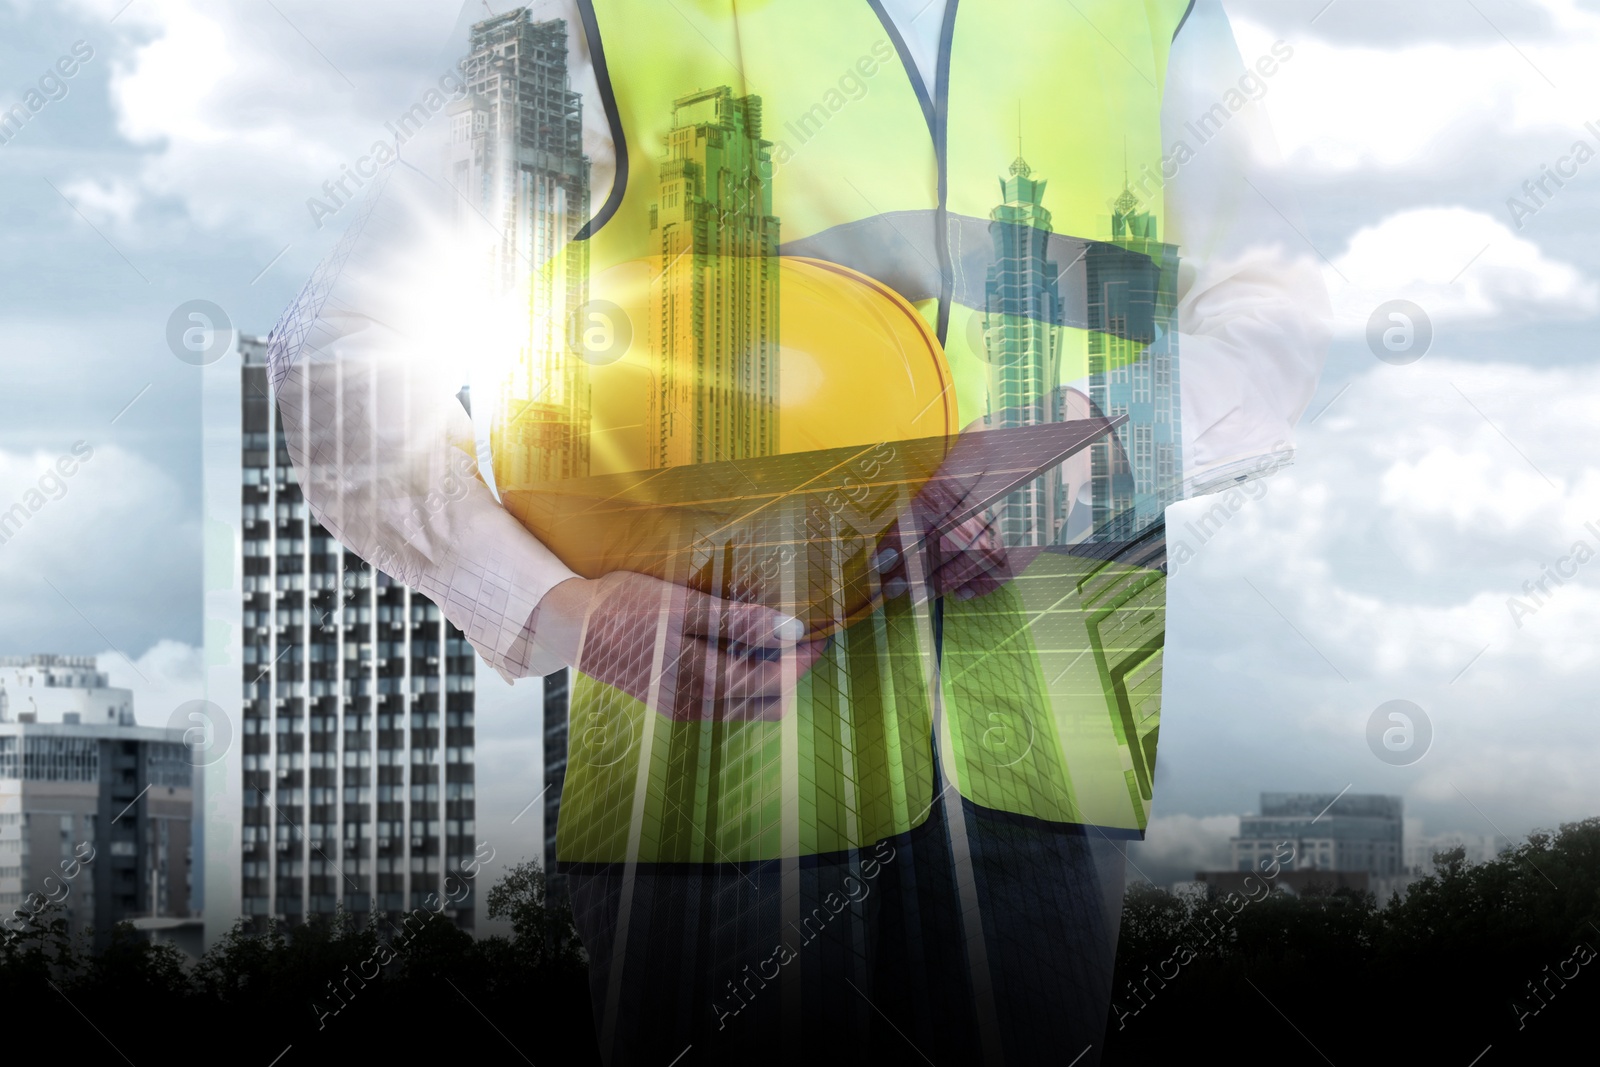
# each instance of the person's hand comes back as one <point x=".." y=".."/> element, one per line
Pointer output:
<point x="969" y="560"/>
<point x="966" y="560"/>
<point x="686" y="654"/>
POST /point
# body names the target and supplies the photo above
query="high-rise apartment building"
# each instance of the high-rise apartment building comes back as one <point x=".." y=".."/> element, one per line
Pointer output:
<point x="357" y="712"/>
<point x="96" y="811"/>
<point x="1133" y="371"/>
<point x="516" y="156"/>
<point x="714" y="305"/>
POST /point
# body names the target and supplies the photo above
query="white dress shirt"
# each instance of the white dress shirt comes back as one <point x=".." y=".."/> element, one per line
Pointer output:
<point x="367" y="383"/>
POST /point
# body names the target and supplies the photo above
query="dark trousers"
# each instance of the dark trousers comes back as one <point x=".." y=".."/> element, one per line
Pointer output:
<point x="977" y="938"/>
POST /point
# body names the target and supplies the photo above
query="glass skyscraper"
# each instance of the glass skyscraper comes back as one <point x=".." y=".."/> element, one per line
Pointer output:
<point x="1133" y="363"/>
<point x="516" y="157"/>
<point x="1133" y="371"/>
<point x="1022" y="343"/>
<point x="714" y="306"/>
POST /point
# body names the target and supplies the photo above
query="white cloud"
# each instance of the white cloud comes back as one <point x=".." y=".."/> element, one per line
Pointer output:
<point x="1176" y="846"/>
<point x="168" y="675"/>
<point x="1470" y="488"/>
<point x="1457" y="265"/>
<point x="95" y="557"/>
<point x="1344" y="108"/>
<point x="1392" y="548"/>
<point x="1419" y="476"/>
<point x="113" y="202"/>
<point x="244" y="110"/>
<point x="1395" y="26"/>
<point x="1489" y="781"/>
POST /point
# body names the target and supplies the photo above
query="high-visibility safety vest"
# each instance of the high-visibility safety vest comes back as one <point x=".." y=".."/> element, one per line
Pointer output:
<point x="1042" y="699"/>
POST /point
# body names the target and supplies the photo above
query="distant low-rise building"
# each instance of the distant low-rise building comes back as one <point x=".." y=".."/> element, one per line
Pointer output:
<point x="1326" y="831"/>
<point x="96" y="811"/>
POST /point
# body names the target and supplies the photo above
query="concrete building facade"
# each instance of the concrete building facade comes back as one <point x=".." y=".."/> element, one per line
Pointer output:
<point x="357" y="736"/>
<point x="96" y="811"/>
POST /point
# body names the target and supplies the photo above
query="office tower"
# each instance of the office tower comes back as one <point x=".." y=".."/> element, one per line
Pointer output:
<point x="356" y="724"/>
<point x="1022" y="344"/>
<point x="1133" y="371"/>
<point x="96" y="811"/>
<point x="714" y="305"/>
<point x="1328" y="832"/>
<point x="516" y="157"/>
<point x="555" y="773"/>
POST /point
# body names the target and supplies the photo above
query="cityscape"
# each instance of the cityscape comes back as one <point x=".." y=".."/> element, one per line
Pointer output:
<point x="79" y="782"/>
<point x="355" y="765"/>
<point x="355" y="783"/>
<point x="849" y="340"/>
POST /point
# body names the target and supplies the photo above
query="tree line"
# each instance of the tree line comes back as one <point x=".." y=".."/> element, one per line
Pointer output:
<point x="1477" y="956"/>
<point x="1492" y="960"/>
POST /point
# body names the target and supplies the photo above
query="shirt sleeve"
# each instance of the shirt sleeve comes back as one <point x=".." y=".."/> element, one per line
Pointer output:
<point x="367" y="366"/>
<point x="1253" y="307"/>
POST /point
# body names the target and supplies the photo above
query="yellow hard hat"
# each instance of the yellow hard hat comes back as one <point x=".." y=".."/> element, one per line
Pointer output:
<point x="865" y="409"/>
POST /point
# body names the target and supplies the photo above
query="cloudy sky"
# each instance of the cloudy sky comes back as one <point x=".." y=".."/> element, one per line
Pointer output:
<point x="1379" y="567"/>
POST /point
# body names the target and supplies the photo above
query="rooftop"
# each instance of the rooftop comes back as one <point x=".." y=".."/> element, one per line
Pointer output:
<point x="1367" y="805"/>
<point x="48" y="659"/>
<point x="69" y="691"/>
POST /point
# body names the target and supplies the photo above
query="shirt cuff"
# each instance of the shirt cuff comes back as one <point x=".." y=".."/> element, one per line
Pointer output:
<point x="490" y="584"/>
